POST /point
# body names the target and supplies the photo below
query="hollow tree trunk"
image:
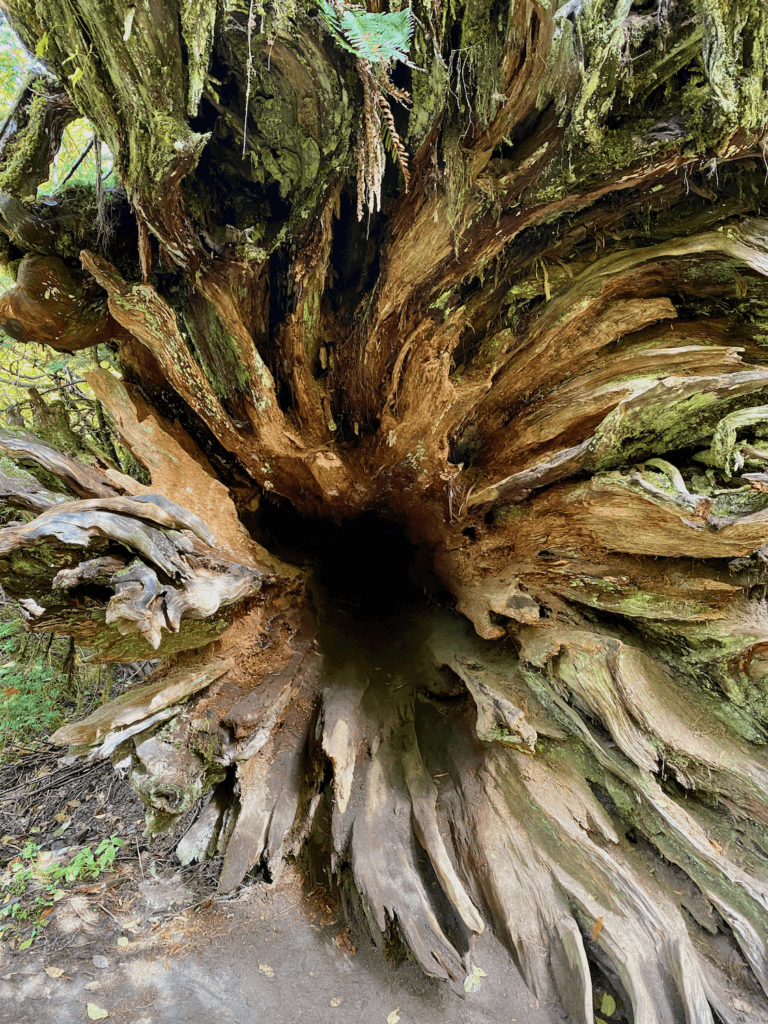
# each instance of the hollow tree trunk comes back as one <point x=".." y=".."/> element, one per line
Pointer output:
<point x="543" y="359"/>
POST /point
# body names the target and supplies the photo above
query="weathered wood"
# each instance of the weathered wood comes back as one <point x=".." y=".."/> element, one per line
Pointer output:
<point x="168" y="687"/>
<point x="195" y="580"/>
<point x="73" y="476"/>
<point x="542" y="354"/>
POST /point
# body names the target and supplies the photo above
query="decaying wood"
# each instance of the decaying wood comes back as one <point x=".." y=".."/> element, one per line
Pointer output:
<point x="141" y="703"/>
<point x="61" y="470"/>
<point x="545" y="361"/>
<point x="169" y="570"/>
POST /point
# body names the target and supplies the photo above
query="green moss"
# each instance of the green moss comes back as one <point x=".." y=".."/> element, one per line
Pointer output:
<point x="678" y="84"/>
<point x="216" y="350"/>
<point x="675" y="421"/>
<point x="509" y="515"/>
<point x="111" y="646"/>
<point x="429" y="88"/>
<point x="24" y="152"/>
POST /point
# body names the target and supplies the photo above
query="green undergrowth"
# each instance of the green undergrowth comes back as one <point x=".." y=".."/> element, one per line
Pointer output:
<point x="44" y="682"/>
<point x="35" y="881"/>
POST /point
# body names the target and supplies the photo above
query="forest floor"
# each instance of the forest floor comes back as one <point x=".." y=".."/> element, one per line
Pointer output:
<point x="150" y="942"/>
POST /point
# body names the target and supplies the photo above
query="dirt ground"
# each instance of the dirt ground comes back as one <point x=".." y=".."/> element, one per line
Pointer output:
<point x="151" y="943"/>
<point x="260" y="958"/>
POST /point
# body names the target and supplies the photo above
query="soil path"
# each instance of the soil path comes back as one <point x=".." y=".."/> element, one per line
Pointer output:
<point x="268" y="957"/>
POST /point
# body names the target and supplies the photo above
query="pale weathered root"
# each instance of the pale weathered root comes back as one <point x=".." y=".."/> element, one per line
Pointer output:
<point x="178" y="574"/>
<point x="61" y="470"/>
<point x="654" y="720"/>
<point x="577" y="797"/>
<point x="522" y="839"/>
<point x="470" y="788"/>
<point x="378" y="833"/>
<point x="166" y="688"/>
<point x="271" y="764"/>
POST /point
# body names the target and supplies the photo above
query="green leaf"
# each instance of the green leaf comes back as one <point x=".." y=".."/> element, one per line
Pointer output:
<point x="608" y="1005"/>
<point x="42" y="46"/>
<point x="96" y="1012"/>
<point x="26" y="943"/>
<point x="472" y="981"/>
<point x="75" y="77"/>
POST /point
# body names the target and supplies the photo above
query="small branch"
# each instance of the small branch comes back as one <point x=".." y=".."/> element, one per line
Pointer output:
<point x="77" y="163"/>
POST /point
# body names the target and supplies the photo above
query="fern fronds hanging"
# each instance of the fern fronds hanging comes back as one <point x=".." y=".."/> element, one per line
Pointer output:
<point x="370" y="149"/>
<point x="377" y="40"/>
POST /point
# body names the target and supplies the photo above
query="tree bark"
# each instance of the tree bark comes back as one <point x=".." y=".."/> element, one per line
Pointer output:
<point x="535" y="340"/>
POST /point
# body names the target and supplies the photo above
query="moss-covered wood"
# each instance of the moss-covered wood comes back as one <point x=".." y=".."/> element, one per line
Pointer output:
<point x="544" y="359"/>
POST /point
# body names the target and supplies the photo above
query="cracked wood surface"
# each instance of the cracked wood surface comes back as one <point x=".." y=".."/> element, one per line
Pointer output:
<point x="545" y="361"/>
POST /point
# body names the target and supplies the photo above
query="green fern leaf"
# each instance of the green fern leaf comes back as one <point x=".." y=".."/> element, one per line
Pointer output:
<point x="378" y="38"/>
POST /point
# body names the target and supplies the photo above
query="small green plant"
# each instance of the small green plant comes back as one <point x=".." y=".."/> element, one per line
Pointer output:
<point x="29" y="693"/>
<point x="29" y="889"/>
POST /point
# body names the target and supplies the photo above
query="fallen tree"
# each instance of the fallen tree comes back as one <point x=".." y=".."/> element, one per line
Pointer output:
<point x="533" y="341"/>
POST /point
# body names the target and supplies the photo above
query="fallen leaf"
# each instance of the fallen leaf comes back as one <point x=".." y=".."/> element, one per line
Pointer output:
<point x="394" y="1017"/>
<point x="472" y="981"/>
<point x="336" y="1001"/>
<point x="26" y="943"/>
<point x="101" y="962"/>
<point x="61" y="816"/>
<point x="739" y="1004"/>
<point x="54" y="972"/>
<point x="122" y="941"/>
<point x="266" y="969"/>
<point x="597" y="929"/>
<point x="715" y="845"/>
<point x="11" y="691"/>
<point x="96" y="1012"/>
<point x="73" y="803"/>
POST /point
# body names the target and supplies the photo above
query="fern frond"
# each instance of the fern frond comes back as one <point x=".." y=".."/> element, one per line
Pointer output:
<point x="402" y="96"/>
<point x="379" y="38"/>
